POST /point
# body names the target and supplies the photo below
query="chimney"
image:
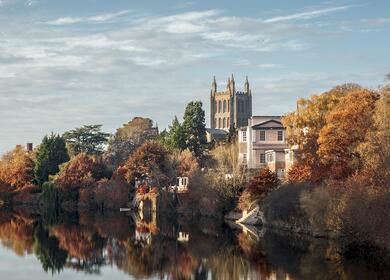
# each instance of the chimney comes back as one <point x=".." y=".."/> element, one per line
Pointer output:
<point x="30" y="147"/>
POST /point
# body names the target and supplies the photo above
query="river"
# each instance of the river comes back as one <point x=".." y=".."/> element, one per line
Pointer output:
<point x="90" y="245"/>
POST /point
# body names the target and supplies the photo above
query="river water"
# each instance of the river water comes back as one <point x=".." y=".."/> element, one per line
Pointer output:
<point x="89" y="245"/>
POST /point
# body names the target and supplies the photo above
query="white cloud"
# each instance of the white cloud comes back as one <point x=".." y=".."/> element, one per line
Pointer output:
<point x="94" y="19"/>
<point x="376" y="21"/>
<point x="307" y="15"/>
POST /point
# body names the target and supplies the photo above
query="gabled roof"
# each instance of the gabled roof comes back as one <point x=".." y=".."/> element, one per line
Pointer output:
<point x="270" y="124"/>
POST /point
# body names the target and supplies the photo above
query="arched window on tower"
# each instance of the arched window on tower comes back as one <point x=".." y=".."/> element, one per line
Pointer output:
<point x="224" y="106"/>
<point x="219" y="106"/>
<point x="228" y="123"/>
<point x="220" y="123"/>
<point x="224" y="122"/>
<point x="228" y="105"/>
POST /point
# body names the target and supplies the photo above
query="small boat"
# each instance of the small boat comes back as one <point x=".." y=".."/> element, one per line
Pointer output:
<point x="125" y="209"/>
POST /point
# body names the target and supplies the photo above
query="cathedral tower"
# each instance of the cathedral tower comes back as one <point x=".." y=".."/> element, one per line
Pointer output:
<point x="230" y="108"/>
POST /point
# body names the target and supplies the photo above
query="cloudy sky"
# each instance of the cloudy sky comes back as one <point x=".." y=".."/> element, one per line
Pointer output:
<point x="64" y="64"/>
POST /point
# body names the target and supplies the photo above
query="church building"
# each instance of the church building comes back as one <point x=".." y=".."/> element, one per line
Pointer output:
<point x="261" y="139"/>
<point x="230" y="108"/>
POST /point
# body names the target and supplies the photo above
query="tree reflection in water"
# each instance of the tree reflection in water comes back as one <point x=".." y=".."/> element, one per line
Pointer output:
<point x="165" y="249"/>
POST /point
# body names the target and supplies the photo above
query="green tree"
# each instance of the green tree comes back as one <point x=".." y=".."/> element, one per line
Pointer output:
<point x="88" y="139"/>
<point x="128" y="138"/>
<point x="50" y="154"/>
<point x="195" y="128"/>
<point x="175" y="138"/>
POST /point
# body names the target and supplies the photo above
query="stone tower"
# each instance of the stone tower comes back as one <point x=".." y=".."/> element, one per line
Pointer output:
<point x="230" y="108"/>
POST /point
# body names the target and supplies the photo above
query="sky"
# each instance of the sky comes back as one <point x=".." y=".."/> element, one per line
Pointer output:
<point x="64" y="64"/>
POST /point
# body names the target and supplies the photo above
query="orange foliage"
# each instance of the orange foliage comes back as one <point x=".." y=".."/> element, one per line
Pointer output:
<point x="149" y="161"/>
<point x="188" y="164"/>
<point x="17" y="168"/>
<point x="111" y="194"/>
<point x="78" y="241"/>
<point x="18" y="234"/>
<point x="346" y="127"/>
<point x="77" y="173"/>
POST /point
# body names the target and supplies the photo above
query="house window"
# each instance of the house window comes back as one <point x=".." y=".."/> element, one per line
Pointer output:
<point x="262" y="158"/>
<point x="280" y="135"/>
<point x="244" y="136"/>
<point x="262" y="135"/>
<point x="244" y="159"/>
<point x="270" y="157"/>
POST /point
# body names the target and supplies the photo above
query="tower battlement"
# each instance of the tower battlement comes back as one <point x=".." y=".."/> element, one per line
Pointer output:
<point x="230" y="108"/>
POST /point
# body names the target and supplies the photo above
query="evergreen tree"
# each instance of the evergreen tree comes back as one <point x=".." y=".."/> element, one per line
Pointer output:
<point x="50" y="154"/>
<point x="175" y="139"/>
<point x="88" y="139"/>
<point x="195" y="128"/>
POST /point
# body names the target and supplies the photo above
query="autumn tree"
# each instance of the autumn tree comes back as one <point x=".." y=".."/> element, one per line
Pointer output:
<point x="128" y="138"/>
<point x="17" y="168"/>
<point x="50" y="154"/>
<point x="304" y="126"/>
<point x="150" y="161"/>
<point x="88" y="139"/>
<point x="345" y="129"/>
<point x="187" y="164"/>
<point x="77" y="173"/>
<point x="195" y="128"/>
<point x="375" y="150"/>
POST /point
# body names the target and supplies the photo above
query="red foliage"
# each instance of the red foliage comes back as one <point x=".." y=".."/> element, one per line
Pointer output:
<point x="77" y="173"/>
<point x="262" y="184"/>
<point x="149" y="161"/>
<point x="111" y="194"/>
<point x="259" y="187"/>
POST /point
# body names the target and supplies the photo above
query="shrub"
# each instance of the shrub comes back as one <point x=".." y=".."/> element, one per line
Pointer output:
<point x="259" y="187"/>
<point x="282" y="207"/>
<point x="111" y="194"/>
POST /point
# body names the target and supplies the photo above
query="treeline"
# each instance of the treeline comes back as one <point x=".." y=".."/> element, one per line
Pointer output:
<point x="87" y="167"/>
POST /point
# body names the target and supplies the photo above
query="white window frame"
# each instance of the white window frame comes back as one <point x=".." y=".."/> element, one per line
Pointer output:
<point x="244" y="136"/>
<point x="244" y="158"/>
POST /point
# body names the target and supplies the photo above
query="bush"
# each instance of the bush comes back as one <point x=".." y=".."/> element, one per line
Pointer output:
<point x="111" y="194"/>
<point x="282" y="207"/>
<point x="258" y="188"/>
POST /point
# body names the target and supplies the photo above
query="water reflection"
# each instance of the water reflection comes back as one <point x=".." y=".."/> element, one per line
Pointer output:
<point x="183" y="249"/>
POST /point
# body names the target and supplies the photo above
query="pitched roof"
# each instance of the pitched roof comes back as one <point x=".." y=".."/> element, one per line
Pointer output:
<point x="270" y="124"/>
